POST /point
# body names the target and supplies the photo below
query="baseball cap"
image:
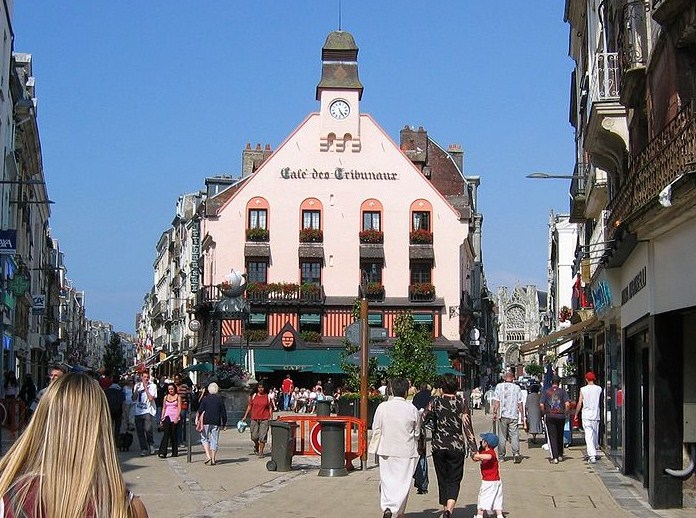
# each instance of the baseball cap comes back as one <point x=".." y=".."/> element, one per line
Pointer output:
<point x="490" y="438"/>
<point x="590" y="376"/>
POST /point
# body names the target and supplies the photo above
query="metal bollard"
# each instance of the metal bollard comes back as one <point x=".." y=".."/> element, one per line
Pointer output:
<point x="333" y="445"/>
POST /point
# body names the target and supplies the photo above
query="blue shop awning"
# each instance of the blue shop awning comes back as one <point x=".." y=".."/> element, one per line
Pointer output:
<point x="257" y="318"/>
<point x="310" y="318"/>
<point x="423" y="318"/>
<point x="326" y="361"/>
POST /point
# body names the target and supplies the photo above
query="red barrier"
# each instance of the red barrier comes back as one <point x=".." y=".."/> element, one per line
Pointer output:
<point x="308" y="435"/>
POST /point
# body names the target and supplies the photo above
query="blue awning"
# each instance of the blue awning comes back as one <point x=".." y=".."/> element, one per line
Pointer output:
<point x="257" y="318"/>
<point x="423" y="318"/>
<point x="375" y="319"/>
<point x="310" y="318"/>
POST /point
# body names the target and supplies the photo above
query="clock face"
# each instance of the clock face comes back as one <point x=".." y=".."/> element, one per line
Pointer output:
<point x="339" y="109"/>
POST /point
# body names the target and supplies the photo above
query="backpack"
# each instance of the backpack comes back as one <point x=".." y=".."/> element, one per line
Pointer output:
<point x="555" y="403"/>
<point x="115" y="399"/>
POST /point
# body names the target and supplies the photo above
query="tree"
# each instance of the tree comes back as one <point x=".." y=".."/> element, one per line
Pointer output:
<point x="349" y="366"/>
<point x="114" y="362"/>
<point x="534" y="369"/>
<point x="412" y="355"/>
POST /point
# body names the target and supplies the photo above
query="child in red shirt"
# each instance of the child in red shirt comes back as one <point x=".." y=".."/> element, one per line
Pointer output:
<point x="491" y="493"/>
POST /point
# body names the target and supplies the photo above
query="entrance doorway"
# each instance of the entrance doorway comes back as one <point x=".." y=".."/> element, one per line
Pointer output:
<point x="637" y="405"/>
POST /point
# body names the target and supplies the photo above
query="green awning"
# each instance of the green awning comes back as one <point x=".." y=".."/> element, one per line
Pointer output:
<point x="441" y="371"/>
<point x="257" y="318"/>
<point x="374" y="319"/>
<point x="441" y="359"/>
<point x="423" y="318"/>
<point x="325" y="361"/>
<point x="310" y="318"/>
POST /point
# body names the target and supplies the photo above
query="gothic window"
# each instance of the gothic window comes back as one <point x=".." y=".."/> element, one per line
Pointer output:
<point x="515" y="318"/>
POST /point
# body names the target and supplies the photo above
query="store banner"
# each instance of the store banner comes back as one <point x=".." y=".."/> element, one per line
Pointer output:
<point x="8" y="242"/>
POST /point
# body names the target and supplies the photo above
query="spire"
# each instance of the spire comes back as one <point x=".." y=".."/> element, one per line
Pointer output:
<point x="339" y="69"/>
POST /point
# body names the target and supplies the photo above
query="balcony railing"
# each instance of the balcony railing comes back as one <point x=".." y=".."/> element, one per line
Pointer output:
<point x="285" y="292"/>
<point x="665" y="10"/>
<point x="578" y="193"/>
<point x="421" y="292"/>
<point x="671" y="153"/>
<point x="373" y="291"/>
<point x="604" y="78"/>
<point x="633" y="42"/>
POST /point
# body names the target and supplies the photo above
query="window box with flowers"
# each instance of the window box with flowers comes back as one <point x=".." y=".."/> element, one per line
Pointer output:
<point x="257" y="234"/>
<point x="371" y="236"/>
<point x="423" y="291"/>
<point x="421" y="237"/>
<point x="310" y="291"/>
<point x="564" y="314"/>
<point x="311" y="235"/>
<point x="257" y="290"/>
<point x="374" y="291"/>
<point x="283" y="290"/>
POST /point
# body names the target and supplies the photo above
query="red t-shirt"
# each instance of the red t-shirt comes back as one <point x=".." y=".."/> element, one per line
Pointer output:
<point x="489" y="468"/>
<point x="287" y="386"/>
<point x="260" y="407"/>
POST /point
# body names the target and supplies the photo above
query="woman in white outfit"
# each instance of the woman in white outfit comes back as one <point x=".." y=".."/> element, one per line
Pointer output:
<point x="397" y="422"/>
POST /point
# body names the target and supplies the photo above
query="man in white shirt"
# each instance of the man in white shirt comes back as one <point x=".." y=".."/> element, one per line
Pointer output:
<point x="589" y="400"/>
<point x="144" y="395"/>
<point x="508" y="410"/>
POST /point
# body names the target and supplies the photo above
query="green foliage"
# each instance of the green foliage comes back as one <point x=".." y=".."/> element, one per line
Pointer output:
<point x="311" y="336"/>
<point x="412" y="354"/>
<point x="353" y="371"/>
<point x="114" y="362"/>
<point x="534" y="369"/>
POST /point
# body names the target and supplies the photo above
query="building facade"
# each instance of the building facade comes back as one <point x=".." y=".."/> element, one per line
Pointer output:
<point x="632" y="107"/>
<point x="336" y="208"/>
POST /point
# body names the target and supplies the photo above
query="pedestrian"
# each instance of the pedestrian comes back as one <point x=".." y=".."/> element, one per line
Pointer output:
<point x="476" y="396"/>
<point x="64" y="464"/>
<point x="213" y="416"/>
<point x="11" y="385"/>
<point x="397" y="426"/>
<point x="533" y="424"/>
<point x="54" y="373"/>
<point x="115" y="400"/>
<point x="490" y="496"/>
<point x="555" y="404"/>
<point x="169" y="422"/>
<point x="260" y="410"/>
<point x="129" y="411"/>
<point x="161" y="392"/>
<point x="421" y="400"/>
<point x="452" y="433"/>
<point x="27" y="393"/>
<point x="144" y="395"/>
<point x="287" y="388"/>
<point x="507" y="411"/>
<point x="184" y="391"/>
<point x="590" y="397"/>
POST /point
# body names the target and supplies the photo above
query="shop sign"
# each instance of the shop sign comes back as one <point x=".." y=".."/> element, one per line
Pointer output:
<point x="601" y="296"/>
<point x="8" y="242"/>
<point x="337" y="174"/>
<point x="194" y="277"/>
<point x="287" y="339"/>
<point x="39" y="304"/>
<point x="637" y="283"/>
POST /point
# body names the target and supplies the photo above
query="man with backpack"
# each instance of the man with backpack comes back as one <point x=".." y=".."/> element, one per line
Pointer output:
<point x="116" y="398"/>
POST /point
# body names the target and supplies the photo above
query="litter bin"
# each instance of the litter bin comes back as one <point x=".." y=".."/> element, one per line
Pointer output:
<point x="323" y="407"/>
<point x="333" y="445"/>
<point x="282" y="445"/>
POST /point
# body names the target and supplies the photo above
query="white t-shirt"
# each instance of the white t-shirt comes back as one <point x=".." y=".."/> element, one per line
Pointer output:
<point x="143" y="405"/>
<point x="590" y="402"/>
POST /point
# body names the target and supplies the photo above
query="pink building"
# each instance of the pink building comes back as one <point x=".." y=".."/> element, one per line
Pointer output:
<point x="337" y="203"/>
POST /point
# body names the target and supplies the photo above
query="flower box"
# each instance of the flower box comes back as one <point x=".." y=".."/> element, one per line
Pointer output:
<point x="421" y="237"/>
<point x="421" y="291"/>
<point x="257" y="234"/>
<point x="311" y="235"/>
<point x="371" y="236"/>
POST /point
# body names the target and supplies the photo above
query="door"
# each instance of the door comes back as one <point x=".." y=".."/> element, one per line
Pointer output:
<point x="636" y="405"/>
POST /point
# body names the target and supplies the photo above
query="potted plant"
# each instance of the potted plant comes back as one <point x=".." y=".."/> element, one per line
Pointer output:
<point x="374" y="289"/>
<point x="422" y="289"/>
<point x="371" y="236"/>
<point x="257" y="234"/>
<point x="311" y="235"/>
<point x="311" y="337"/>
<point x="310" y="290"/>
<point x="421" y="237"/>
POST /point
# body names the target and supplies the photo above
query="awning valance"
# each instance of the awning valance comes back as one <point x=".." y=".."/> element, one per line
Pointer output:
<point x="562" y="335"/>
<point x="311" y="251"/>
<point x="370" y="251"/>
<point x="421" y="252"/>
<point x="257" y="250"/>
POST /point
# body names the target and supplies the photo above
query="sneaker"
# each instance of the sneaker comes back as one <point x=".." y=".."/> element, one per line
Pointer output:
<point x="554" y="461"/>
<point x="517" y="458"/>
<point x="592" y="460"/>
<point x="144" y="453"/>
<point x="152" y="450"/>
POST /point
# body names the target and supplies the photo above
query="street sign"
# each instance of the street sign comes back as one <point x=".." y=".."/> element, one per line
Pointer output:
<point x="356" y="357"/>
<point x="377" y="334"/>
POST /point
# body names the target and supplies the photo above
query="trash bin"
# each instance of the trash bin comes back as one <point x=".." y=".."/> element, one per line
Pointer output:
<point x="282" y="445"/>
<point x="333" y="446"/>
<point x="323" y="407"/>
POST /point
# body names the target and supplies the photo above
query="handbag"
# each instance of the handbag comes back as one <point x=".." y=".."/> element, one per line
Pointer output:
<point x="374" y="442"/>
<point x="199" y="422"/>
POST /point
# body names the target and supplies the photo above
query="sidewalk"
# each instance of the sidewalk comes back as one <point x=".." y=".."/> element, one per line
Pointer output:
<point x="240" y="485"/>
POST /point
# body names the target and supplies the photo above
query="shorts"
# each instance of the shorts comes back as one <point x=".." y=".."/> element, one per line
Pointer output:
<point x="259" y="430"/>
<point x="490" y="495"/>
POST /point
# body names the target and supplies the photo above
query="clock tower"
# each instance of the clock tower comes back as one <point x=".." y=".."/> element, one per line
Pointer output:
<point x="339" y="93"/>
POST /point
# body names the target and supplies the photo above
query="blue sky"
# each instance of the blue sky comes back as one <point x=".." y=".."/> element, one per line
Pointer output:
<point x="140" y="101"/>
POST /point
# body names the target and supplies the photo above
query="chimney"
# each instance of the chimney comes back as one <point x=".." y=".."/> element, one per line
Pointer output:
<point x="252" y="158"/>
<point x="457" y="154"/>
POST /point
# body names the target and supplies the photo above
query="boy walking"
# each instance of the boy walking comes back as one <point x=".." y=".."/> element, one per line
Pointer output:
<point x="491" y="493"/>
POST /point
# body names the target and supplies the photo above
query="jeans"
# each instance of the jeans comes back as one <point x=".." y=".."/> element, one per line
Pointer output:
<point x="170" y="435"/>
<point x="286" y="401"/>
<point x="508" y="427"/>
<point x="210" y="435"/>
<point x="143" y="427"/>
<point x="420" y="476"/>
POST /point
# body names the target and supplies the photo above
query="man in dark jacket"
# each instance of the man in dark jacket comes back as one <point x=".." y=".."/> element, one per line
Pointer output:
<point x="421" y="401"/>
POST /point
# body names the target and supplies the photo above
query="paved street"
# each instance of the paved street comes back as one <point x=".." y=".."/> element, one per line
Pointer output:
<point x="240" y="485"/>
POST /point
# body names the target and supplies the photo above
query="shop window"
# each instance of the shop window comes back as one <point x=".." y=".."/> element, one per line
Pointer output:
<point x="257" y="322"/>
<point x="310" y="327"/>
<point x="425" y="320"/>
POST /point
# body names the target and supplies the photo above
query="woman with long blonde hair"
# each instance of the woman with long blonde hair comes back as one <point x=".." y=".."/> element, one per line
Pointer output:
<point x="64" y="465"/>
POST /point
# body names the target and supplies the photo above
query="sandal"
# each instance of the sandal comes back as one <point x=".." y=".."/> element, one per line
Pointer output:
<point x="208" y="461"/>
